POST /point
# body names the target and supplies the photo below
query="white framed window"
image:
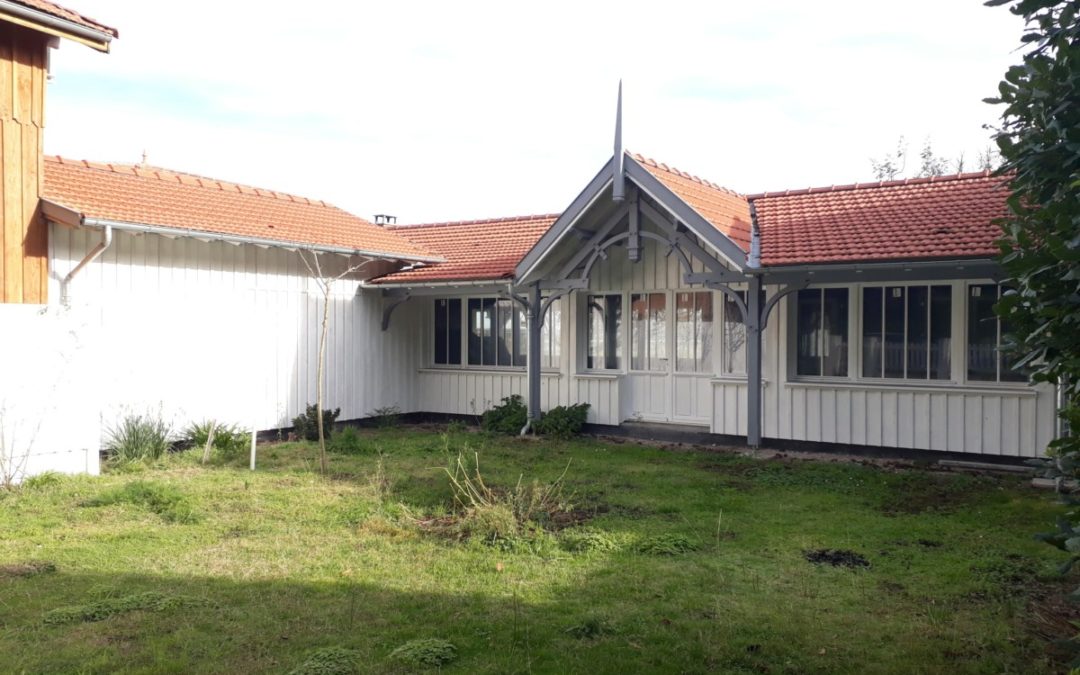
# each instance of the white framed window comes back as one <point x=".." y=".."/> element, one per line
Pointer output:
<point x="648" y="331"/>
<point x="604" y="331"/>
<point x="821" y="332"/>
<point x="490" y="332"/>
<point x="447" y="329"/>
<point x="986" y="360"/>
<point x="551" y="337"/>
<point x="693" y="331"/>
<point x="907" y="332"/>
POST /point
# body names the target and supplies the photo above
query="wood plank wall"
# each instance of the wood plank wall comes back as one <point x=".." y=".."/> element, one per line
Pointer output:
<point x="24" y="236"/>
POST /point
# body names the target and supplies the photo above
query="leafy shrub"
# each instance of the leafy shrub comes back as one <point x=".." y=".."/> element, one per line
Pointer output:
<point x="329" y="661"/>
<point x="667" y="544"/>
<point x="563" y="421"/>
<point x="164" y="500"/>
<point x="100" y="610"/>
<point x="506" y="418"/>
<point x="386" y="417"/>
<point x="587" y="540"/>
<point x="138" y="437"/>
<point x="431" y="652"/>
<point x="346" y="442"/>
<point x="306" y="426"/>
<point x="456" y="426"/>
<point x="229" y="439"/>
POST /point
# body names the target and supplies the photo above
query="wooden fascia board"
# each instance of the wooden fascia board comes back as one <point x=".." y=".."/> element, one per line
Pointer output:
<point x="674" y="205"/>
<point x="58" y="213"/>
<point x="899" y="271"/>
<point x="100" y="45"/>
<point x="563" y="224"/>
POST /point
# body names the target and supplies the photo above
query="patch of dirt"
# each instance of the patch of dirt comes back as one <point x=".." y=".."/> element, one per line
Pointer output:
<point x="27" y="569"/>
<point x="892" y="587"/>
<point x="1052" y="617"/>
<point x="836" y="557"/>
<point x="927" y="493"/>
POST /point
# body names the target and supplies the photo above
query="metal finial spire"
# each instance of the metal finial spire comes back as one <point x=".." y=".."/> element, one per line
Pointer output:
<point x="618" y="178"/>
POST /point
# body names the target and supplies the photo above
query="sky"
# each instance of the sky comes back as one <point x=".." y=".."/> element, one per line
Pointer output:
<point x="435" y="111"/>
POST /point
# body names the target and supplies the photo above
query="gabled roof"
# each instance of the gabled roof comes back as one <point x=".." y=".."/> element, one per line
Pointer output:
<point x="915" y="219"/>
<point x="726" y="210"/>
<point x="52" y="19"/>
<point x="152" y="196"/>
<point x="475" y="250"/>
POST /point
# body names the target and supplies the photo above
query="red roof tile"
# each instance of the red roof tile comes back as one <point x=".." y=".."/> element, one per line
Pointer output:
<point x="726" y="210"/>
<point x="476" y="250"/>
<point x="154" y="196"/>
<point x="915" y="219"/>
<point x="53" y="9"/>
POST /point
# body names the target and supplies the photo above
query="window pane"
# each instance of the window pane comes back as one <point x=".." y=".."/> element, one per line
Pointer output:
<point x="488" y="328"/>
<point x="835" y="357"/>
<point x="685" y="332"/>
<point x="940" y="332"/>
<point x="893" y="351"/>
<point x="551" y="336"/>
<point x="1007" y="360"/>
<point x="918" y="331"/>
<point x="872" y="339"/>
<point x="639" y="331"/>
<point x="658" y="352"/>
<point x="454" y="332"/>
<point x="703" y="307"/>
<point x="605" y="332"/>
<point x="521" y="337"/>
<point x="476" y="331"/>
<point x="441" y="326"/>
<point x="982" y="333"/>
<point x="734" y="352"/>
<point x="808" y="332"/>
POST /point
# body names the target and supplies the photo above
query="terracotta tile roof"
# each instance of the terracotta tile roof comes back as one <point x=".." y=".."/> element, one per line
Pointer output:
<point x="154" y="196"/>
<point x="476" y="250"/>
<point x="914" y="219"/>
<point x="726" y="210"/>
<point x="53" y="9"/>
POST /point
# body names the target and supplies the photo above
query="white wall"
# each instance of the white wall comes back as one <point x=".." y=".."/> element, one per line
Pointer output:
<point x="194" y="330"/>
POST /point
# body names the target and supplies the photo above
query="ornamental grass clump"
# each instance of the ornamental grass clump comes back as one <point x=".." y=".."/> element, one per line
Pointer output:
<point x="137" y="438"/>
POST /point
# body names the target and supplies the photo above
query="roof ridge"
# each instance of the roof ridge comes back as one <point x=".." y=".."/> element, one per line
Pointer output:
<point x="899" y="182"/>
<point x="480" y="221"/>
<point x="678" y="172"/>
<point x="166" y="175"/>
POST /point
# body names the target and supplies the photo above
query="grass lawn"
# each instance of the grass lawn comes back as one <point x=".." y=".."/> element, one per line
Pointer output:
<point x="671" y="561"/>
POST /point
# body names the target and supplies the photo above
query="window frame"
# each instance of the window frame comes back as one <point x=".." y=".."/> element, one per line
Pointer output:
<point x="860" y="333"/>
<point x="966" y="346"/>
<point x="792" y="301"/>
<point x="520" y="329"/>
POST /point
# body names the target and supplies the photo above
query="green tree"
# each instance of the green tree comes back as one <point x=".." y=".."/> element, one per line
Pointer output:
<point x="1039" y="141"/>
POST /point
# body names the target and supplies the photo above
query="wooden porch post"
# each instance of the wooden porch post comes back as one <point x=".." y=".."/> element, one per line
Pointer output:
<point x="753" y="362"/>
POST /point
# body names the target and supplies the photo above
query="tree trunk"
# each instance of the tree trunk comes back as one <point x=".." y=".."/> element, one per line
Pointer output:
<point x="319" y="377"/>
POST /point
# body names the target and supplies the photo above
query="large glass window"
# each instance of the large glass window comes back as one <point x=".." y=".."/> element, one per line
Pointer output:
<point x="496" y="333"/>
<point x="693" y="332"/>
<point x="604" y="327"/>
<point x="648" y="331"/>
<point x="448" y="331"/>
<point x="986" y="360"/>
<point x="906" y="332"/>
<point x="821" y="325"/>
<point x="551" y="337"/>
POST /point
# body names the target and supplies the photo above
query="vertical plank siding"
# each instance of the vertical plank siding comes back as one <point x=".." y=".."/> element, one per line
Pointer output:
<point x="23" y="233"/>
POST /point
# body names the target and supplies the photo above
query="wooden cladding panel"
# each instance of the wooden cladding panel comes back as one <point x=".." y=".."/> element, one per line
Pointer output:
<point x="23" y="233"/>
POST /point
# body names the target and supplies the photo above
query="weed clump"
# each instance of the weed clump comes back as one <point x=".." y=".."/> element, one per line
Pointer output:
<point x="164" y="500"/>
<point x="329" y="661"/>
<point x="100" y="610"/>
<point x="386" y="417"/>
<point x="42" y="480"/>
<point x="590" y="628"/>
<point x="667" y="544"/>
<point x="346" y="442"/>
<point x="230" y="440"/>
<point x="587" y="540"/>
<point x="430" y="652"/>
<point x="138" y="438"/>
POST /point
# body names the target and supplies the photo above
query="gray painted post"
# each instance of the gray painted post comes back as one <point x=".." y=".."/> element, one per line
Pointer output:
<point x="753" y="362"/>
<point x="536" y="314"/>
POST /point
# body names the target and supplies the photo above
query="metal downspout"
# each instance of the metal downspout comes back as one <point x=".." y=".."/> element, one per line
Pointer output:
<point x="94" y="254"/>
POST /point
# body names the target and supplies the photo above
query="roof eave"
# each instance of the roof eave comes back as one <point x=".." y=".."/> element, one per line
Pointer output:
<point x="46" y="23"/>
<point x="64" y="215"/>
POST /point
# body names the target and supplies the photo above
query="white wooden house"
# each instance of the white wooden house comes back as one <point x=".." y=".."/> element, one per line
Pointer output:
<point x="858" y="315"/>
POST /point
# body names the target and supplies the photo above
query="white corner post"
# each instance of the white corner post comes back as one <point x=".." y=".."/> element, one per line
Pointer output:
<point x="753" y="361"/>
